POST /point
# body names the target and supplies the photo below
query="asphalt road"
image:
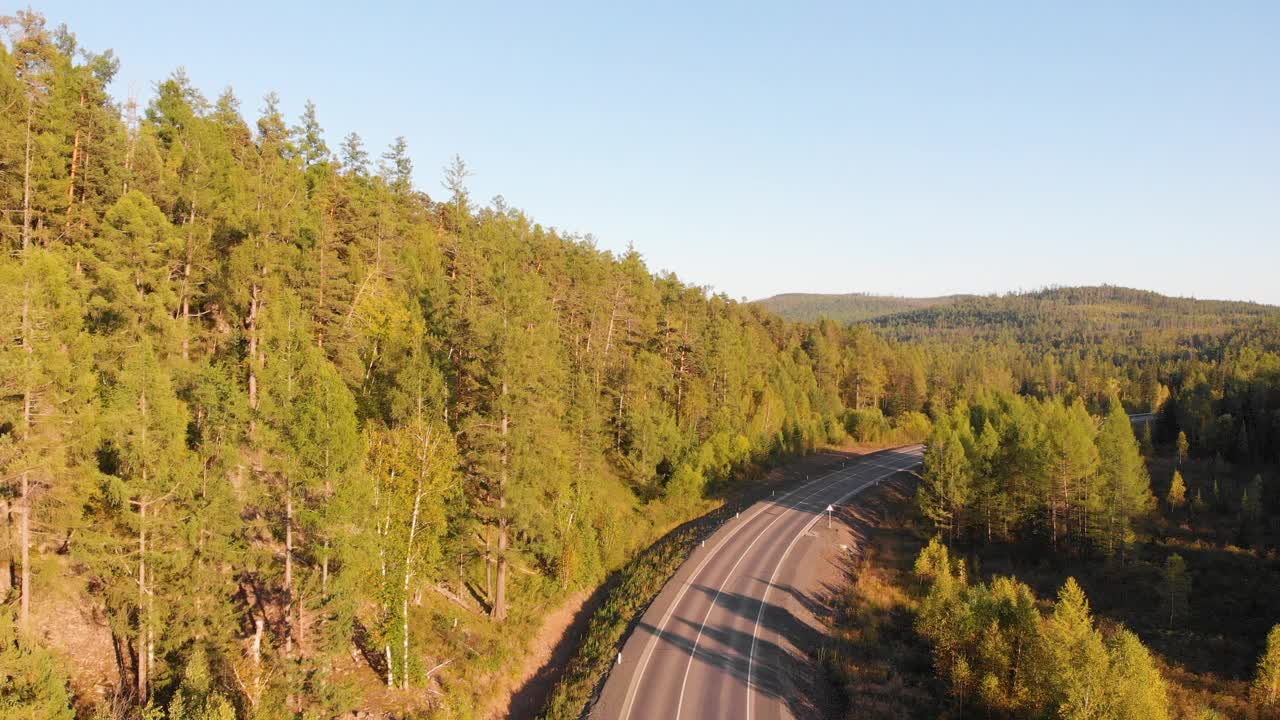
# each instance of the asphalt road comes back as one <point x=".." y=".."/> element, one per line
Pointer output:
<point x="729" y="636"/>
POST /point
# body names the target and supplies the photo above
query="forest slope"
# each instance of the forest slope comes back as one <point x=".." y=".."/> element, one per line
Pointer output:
<point x="846" y="308"/>
<point x="1083" y="315"/>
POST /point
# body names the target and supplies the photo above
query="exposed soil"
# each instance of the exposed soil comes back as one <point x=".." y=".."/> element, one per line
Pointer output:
<point x="545" y="658"/>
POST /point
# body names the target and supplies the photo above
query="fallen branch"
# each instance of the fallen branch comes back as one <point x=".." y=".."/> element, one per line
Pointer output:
<point x="454" y="598"/>
<point x="437" y="667"/>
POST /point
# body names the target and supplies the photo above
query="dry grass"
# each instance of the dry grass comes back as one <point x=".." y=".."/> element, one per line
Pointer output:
<point x="878" y="663"/>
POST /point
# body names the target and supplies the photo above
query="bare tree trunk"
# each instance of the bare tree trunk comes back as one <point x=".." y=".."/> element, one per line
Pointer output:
<point x="71" y="182"/>
<point x="288" y="569"/>
<point x="500" y="595"/>
<point x="131" y="124"/>
<point x="408" y="566"/>
<point x="25" y="501"/>
<point x="75" y="162"/>
<point x="143" y="654"/>
<point x="404" y="619"/>
<point x="11" y="570"/>
<point x="24" y="540"/>
<point x="254" y="306"/>
<point x="185" y="310"/>
<point x="324" y="571"/>
<point x="26" y="186"/>
<point x="384" y="530"/>
<point x="679" y="386"/>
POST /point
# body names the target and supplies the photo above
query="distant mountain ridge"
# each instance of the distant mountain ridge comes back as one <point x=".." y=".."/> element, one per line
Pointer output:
<point x="1091" y="314"/>
<point x="949" y="309"/>
<point x="848" y="307"/>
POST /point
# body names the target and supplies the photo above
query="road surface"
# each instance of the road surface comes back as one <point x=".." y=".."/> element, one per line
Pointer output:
<point x="729" y="635"/>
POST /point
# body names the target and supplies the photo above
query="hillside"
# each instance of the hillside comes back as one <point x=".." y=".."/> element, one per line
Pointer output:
<point x="1086" y="315"/>
<point x="847" y="308"/>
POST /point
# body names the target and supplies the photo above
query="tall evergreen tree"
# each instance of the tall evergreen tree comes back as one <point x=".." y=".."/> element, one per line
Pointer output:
<point x="1124" y="479"/>
<point x="1266" y="682"/>
<point x="945" y="486"/>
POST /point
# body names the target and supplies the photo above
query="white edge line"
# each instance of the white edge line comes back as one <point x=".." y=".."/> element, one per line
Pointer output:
<point x="729" y="576"/>
<point x="666" y="618"/>
<point x="764" y="597"/>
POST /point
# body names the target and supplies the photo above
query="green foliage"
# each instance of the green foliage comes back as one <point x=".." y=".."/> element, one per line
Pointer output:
<point x="639" y="582"/>
<point x="945" y="486"/>
<point x="196" y="698"/>
<point x="1177" y="497"/>
<point x="1266" y="683"/>
<point x="228" y="347"/>
<point x="1122" y="479"/>
<point x="1018" y="467"/>
<point x="261" y="402"/>
<point x="32" y="684"/>
<point x="853" y="307"/>
<point x="1137" y="689"/>
<point x="1000" y="656"/>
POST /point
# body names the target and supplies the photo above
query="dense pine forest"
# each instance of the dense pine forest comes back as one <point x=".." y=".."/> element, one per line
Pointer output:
<point x="852" y="307"/>
<point x="283" y="435"/>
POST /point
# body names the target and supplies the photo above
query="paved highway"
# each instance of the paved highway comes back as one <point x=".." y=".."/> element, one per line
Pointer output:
<point x="727" y="637"/>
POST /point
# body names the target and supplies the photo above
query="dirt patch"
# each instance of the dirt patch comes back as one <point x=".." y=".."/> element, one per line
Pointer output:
<point x="545" y="659"/>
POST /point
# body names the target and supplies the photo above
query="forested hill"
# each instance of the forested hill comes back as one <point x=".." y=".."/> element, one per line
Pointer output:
<point x="1086" y="316"/>
<point x="847" y="308"/>
<point x="280" y="433"/>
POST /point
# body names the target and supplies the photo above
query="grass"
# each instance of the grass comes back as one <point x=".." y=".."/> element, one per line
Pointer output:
<point x="874" y="658"/>
<point x="884" y="669"/>
<point x="635" y="586"/>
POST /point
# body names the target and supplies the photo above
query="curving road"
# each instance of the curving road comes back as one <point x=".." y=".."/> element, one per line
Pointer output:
<point x="729" y="635"/>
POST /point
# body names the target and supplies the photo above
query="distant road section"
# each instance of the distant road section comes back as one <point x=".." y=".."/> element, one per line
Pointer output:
<point x="728" y="636"/>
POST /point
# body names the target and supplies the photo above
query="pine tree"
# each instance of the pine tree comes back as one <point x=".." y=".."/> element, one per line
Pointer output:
<point x="149" y="470"/>
<point x="1124" y="478"/>
<point x="1072" y="461"/>
<point x="1078" y="656"/>
<point x="1177" y="497"/>
<point x="197" y="698"/>
<point x="355" y="160"/>
<point x="32" y="684"/>
<point x="397" y="167"/>
<point x="1266" y="683"/>
<point x="511" y="384"/>
<point x="309" y="138"/>
<point x="310" y="432"/>
<point x="1251" y="501"/>
<point x="1134" y="685"/>
<point x="46" y="370"/>
<point x="945" y="486"/>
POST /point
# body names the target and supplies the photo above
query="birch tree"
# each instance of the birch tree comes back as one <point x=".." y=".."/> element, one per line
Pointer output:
<point x="414" y="473"/>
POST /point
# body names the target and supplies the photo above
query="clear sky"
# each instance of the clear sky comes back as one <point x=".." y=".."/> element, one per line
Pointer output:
<point x="891" y="147"/>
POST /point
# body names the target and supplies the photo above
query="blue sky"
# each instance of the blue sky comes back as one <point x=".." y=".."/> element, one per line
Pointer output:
<point x="903" y="148"/>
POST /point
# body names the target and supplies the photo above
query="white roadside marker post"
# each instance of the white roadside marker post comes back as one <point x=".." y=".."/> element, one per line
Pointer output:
<point x="829" y="509"/>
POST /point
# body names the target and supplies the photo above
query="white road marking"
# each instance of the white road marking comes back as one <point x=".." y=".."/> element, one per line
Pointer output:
<point x="666" y="618"/>
<point x="719" y="590"/>
<point x="751" y="656"/>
